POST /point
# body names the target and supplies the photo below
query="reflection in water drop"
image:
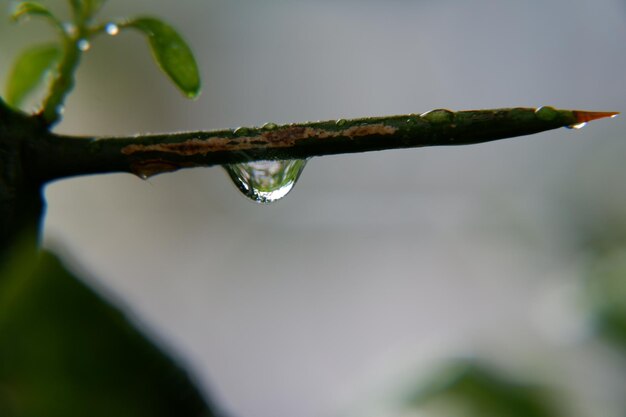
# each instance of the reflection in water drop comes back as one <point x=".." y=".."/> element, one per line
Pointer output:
<point x="112" y="29"/>
<point x="266" y="181"/>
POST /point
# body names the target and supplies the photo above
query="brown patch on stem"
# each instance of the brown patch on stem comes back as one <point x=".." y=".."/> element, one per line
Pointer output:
<point x="283" y="137"/>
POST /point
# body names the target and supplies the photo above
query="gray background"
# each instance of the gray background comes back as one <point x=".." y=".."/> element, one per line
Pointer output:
<point x="379" y="266"/>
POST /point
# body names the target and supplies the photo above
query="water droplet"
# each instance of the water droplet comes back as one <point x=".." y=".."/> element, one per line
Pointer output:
<point x="70" y="29"/>
<point x="577" y="125"/>
<point x="270" y="126"/>
<point x="242" y="131"/>
<point x="341" y="122"/>
<point x="266" y="181"/>
<point x="546" y="113"/>
<point x="112" y="29"/>
<point x="60" y="109"/>
<point x="83" y="45"/>
<point x="438" y="116"/>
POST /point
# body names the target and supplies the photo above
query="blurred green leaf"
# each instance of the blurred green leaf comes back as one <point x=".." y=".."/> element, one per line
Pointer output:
<point x="30" y="8"/>
<point x="479" y="391"/>
<point x="171" y="53"/>
<point x="67" y="352"/>
<point x="29" y="71"/>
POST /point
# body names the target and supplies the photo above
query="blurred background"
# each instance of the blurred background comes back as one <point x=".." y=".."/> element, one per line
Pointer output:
<point x="348" y="296"/>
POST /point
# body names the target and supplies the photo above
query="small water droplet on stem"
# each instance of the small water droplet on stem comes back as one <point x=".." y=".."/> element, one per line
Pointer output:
<point x="269" y="126"/>
<point x="547" y="113"/>
<point x="112" y="29"/>
<point x="83" y="45"/>
<point x="241" y="131"/>
<point x="438" y="116"/>
<point x="70" y="29"/>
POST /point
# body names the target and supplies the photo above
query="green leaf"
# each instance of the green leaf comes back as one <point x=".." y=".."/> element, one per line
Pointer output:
<point x="171" y="53"/>
<point x="30" y="8"/>
<point x="30" y="70"/>
<point x="66" y="351"/>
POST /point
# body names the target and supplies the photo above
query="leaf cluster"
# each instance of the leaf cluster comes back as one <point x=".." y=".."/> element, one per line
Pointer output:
<point x="56" y="62"/>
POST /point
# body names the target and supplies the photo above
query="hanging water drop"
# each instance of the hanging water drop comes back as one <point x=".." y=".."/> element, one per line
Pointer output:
<point x="112" y="29"/>
<point x="266" y="181"/>
<point x="577" y="125"/>
<point x="83" y="45"/>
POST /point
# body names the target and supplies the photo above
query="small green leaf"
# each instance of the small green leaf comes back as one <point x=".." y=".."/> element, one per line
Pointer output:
<point x="30" y="70"/>
<point x="30" y="8"/>
<point x="171" y="53"/>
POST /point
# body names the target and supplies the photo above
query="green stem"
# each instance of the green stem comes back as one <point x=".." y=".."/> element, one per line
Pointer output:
<point x="64" y="82"/>
<point x="56" y="156"/>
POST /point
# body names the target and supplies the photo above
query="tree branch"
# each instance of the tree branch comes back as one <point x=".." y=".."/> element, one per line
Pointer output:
<point x="55" y="156"/>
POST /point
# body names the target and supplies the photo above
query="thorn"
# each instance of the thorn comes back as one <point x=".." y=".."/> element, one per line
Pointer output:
<point x="587" y="116"/>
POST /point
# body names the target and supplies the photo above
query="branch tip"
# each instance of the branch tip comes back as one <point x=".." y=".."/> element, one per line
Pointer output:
<point x="583" y="116"/>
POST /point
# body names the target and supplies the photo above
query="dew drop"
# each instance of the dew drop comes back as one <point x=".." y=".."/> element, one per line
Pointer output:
<point x="242" y="131"/>
<point x="60" y="109"/>
<point x="83" y="45"/>
<point x="341" y="122"/>
<point x="112" y="29"/>
<point x="270" y="126"/>
<point x="438" y="116"/>
<point x="70" y="29"/>
<point x="577" y="125"/>
<point x="547" y="113"/>
<point x="266" y="181"/>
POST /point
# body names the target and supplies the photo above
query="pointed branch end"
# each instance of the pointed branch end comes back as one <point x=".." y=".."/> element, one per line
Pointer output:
<point x="587" y="116"/>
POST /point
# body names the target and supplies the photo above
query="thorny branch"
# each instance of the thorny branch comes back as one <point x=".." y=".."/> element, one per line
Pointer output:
<point x="56" y="156"/>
